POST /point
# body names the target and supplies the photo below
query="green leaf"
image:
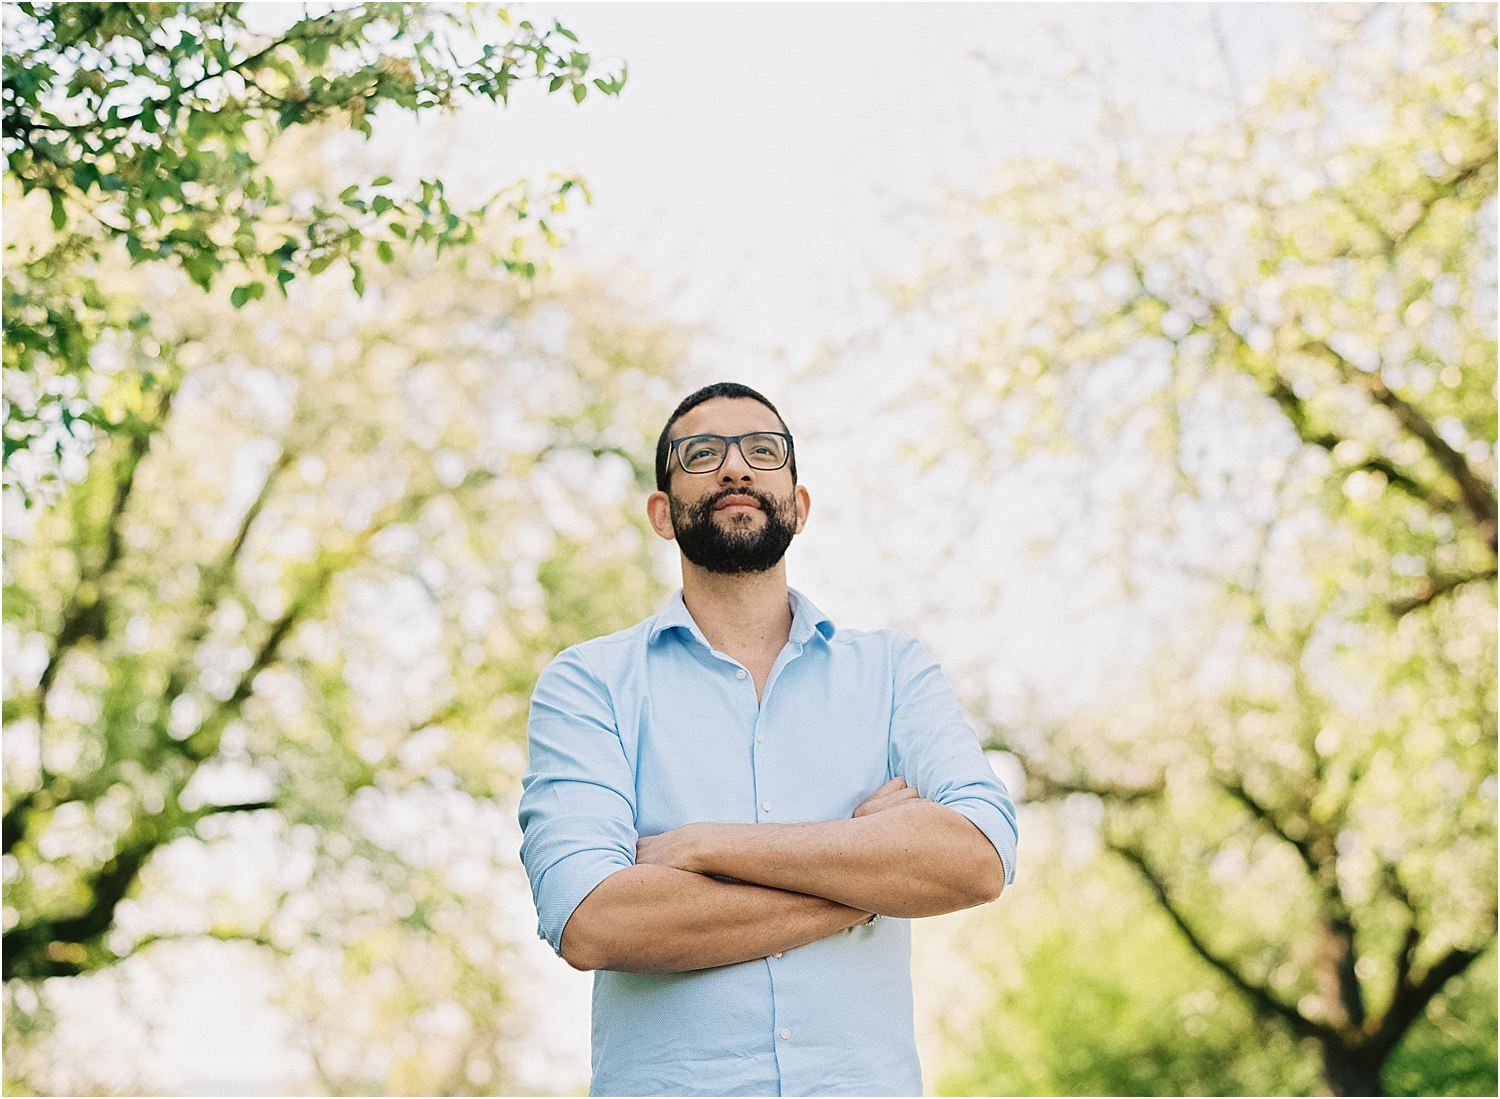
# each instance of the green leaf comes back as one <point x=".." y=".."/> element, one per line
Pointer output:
<point x="385" y="251"/>
<point x="348" y="193"/>
<point x="239" y="296"/>
<point x="200" y="268"/>
<point x="85" y="175"/>
<point x="579" y="91"/>
<point x="381" y="181"/>
<point x="59" y="211"/>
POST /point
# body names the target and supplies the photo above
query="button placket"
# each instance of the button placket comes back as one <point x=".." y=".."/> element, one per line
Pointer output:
<point x="788" y="654"/>
<point x="756" y="755"/>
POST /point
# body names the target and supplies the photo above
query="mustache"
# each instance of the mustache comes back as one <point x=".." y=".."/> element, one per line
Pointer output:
<point x="708" y="503"/>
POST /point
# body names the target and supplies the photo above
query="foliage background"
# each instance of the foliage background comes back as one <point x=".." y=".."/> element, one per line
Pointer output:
<point x="1222" y="610"/>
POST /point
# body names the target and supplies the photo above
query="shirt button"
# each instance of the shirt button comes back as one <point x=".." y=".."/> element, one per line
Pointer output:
<point x="740" y="674"/>
<point x="766" y="806"/>
<point x="777" y="954"/>
<point x="786" y="1032"/>
<point x="760" y="738"/>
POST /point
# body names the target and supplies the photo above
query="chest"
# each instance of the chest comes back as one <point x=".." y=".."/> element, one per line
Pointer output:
<point x="779" y="739"/>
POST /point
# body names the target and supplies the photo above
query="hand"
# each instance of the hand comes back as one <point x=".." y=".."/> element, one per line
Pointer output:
<point x="895" y="792"/>
<point x="679" y="848"/>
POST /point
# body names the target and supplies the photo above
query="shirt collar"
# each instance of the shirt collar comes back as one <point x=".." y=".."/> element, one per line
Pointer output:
<point x="807" y="620"/>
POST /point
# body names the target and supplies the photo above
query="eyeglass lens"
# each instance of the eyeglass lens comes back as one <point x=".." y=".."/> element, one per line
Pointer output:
<point x="705" y="453"/>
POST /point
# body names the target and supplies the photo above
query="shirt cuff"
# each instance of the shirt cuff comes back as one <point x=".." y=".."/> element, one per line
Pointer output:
<point x="996" y="828"/>
<point x="564" y="886"/>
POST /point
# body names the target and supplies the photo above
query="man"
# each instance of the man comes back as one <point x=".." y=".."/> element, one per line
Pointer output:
<point x="724" y="800"/>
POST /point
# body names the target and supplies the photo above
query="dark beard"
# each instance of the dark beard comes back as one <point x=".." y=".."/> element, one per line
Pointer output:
<point x="726" y="549"/>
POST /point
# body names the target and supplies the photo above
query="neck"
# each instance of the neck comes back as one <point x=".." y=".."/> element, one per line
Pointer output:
<point x="747" y="611"/>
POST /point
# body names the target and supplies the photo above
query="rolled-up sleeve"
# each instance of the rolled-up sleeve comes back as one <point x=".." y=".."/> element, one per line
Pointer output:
<point x="937" y="751"/>
<point x="577" y="807"/>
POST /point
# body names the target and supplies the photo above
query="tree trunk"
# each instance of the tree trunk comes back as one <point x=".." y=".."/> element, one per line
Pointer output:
<point x="1351" y="1071"/>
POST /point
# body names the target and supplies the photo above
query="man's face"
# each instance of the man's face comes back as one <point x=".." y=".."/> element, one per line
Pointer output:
<point x="738" y="519"/>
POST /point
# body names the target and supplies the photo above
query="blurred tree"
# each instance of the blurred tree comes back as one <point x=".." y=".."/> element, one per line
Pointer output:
<point x="298" y="632"/>
<point x="146" y="127"/>
<point x="1277" y="335"/>
<point x="1080" y="1008"/>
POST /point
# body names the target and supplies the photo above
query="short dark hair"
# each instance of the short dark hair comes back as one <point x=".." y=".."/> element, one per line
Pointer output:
<point x="692" y="401"/>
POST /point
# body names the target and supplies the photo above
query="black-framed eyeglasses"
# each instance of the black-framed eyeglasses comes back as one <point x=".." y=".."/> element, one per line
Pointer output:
<point x="706" y="453"/>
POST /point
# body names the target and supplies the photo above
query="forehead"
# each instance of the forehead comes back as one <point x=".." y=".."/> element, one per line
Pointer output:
<point x="727" y="416"/>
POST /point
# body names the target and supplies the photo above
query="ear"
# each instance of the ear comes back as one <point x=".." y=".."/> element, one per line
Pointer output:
<point x="659" y="514"/>
<point x="803" y="503"/>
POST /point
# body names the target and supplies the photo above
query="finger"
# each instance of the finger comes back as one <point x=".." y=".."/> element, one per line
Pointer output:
<point x="886" y="801"/>
<point x="889" y="786"/>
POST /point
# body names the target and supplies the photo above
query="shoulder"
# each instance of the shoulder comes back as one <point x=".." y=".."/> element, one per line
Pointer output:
<point x="892" y="641"/>
<point x="602" y="646"/>
<point x="601" y="657"/>
<point x="895" y="655"/>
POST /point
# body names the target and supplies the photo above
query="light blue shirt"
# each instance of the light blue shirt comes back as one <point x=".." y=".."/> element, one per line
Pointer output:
<point x="650" y="728"/>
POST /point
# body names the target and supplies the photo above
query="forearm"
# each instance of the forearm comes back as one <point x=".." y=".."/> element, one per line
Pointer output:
<point x="659" y="919"/>
<point x="916" y="859"/>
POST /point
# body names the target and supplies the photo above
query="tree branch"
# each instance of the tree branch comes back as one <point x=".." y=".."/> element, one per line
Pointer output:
<point x="1263" y="813"/>
<point x="1041" y="786"/>
<point x="84" y="616"/>
<point x="237" y="807"/>
<point x="1445" y="189"/>
<point x="32" y="950"/>
<point x="1434" y="588"/>
<point x="1276" y="387"/>
<point x="1412" y="936"/>
<point x="219" y="934"/>
<point x="1259" y="995"/>
<point x="1413" y="997"/>
<point x="1477" y="495"/>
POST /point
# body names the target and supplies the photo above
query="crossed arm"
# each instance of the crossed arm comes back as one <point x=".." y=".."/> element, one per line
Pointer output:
<point x="898" y="855"/>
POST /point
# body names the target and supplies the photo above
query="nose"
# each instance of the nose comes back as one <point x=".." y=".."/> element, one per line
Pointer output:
<point x="735" y="468"/>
